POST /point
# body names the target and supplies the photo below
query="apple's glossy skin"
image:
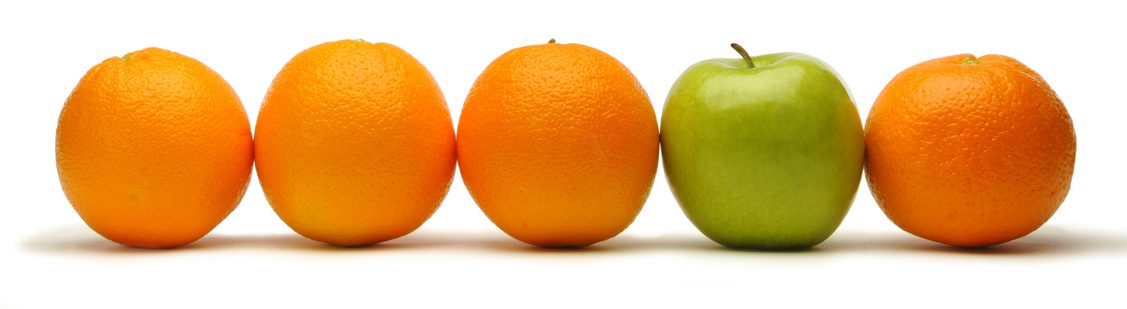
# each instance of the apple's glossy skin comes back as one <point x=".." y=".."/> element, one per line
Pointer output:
<point x="767" y="157"/>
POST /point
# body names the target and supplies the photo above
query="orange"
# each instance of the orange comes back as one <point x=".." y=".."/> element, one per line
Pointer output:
<point x="969" y="151"/>
<point x="153" y="149"/>
<point x="354" y="143"/>
<point x="558" y="144"/>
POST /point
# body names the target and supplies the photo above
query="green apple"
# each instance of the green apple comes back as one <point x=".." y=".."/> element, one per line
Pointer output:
<point x="762" y="152"/>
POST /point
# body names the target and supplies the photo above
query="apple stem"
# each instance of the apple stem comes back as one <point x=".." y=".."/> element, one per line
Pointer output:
<point x="743" y="53"/>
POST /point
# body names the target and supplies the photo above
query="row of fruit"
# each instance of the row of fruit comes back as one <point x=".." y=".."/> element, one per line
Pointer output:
<point x="558" y="144"/>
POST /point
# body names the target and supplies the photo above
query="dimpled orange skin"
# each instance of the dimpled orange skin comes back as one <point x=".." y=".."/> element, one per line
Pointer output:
<point x="969" y="152"/>
<point x="558" y="145"/>
<point x="354" y="143"/>
<point x="153" y="149"/>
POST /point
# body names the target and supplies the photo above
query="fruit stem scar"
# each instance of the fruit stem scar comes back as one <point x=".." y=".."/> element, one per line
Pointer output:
<point x="552" y="41"/>
<point x="972" y="61"/>
<point x="743" y="53"/>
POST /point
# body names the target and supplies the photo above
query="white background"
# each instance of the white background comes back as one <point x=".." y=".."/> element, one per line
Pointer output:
<point x="48" y="258"/>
